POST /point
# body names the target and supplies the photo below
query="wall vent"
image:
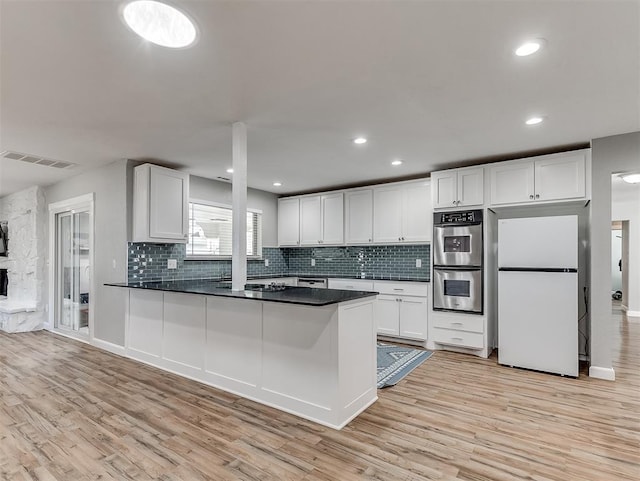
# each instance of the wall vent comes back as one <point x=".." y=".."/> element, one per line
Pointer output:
<point x="224" y="179"/>
<point x="34" y="159"/>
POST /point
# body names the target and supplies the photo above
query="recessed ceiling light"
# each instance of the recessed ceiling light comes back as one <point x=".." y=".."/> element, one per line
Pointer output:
<point x="534" y="120"/>
<point x="631" y="178"/>
<point x="229" y="171"/>
<point x="396" y="162"/>
<point x="159" y="23"/>
<point x="360" y="140"/>
<point x="277" y="184"/>
<point x="529" y="48"/>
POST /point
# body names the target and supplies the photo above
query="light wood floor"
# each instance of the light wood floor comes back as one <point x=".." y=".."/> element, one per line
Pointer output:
<point x="69" y="411"/>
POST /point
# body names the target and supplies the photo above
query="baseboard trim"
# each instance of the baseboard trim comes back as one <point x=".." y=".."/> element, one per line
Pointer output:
<point x="606" y="373"/>
<point x="633" y="313"/>
<point x="109" y="346"/>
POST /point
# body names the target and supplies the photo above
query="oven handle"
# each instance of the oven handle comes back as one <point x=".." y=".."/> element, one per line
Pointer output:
<point x="456" y="224"/>
<point x="457" y="268"/>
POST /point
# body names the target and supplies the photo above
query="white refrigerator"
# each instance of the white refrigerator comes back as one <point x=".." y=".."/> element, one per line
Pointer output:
<point x="538" y="293"/>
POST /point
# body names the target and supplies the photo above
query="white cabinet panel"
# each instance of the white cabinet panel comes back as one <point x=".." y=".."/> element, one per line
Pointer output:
<point x="561" y="178"/>
<point x="351" y="284"/>
<point x="417" y="214"/>
<point x="413" y="317"/>
<point x="359" y="217"/>
<point x="387" y="214"/>
<point x="458" y="187"/>
<point x="233" y="346"/>
<point x="332" y="218"/>
<point x="512" y="183"/>
<point x="471" y="340"/>
<point x="145" y="322"/>
<point x="310" y="220"/>
<point x="289" y="222"/>
<point x="387" y="315"/>
<point x="184" y="329"/>
<point x="470" y="186"/>
<point x="444" y="187"/>
<point x="402" y="288"/>
<point x="160" y="204"/>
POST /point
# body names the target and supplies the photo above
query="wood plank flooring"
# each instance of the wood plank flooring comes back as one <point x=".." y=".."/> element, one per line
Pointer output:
<point x="72" y="412"/>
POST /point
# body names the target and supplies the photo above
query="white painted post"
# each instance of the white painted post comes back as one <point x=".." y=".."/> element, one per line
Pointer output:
<point x="239" y="205"/>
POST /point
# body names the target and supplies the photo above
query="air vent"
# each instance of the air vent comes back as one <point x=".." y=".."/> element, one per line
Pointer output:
<point x="33" y="159"/>
<point x="224" y="179"/>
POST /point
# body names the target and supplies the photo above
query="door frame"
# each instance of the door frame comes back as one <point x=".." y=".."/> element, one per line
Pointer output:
<point x="84" y="202"/>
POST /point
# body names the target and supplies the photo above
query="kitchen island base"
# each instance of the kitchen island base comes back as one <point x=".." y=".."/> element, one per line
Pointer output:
<point x="317" y="362"/>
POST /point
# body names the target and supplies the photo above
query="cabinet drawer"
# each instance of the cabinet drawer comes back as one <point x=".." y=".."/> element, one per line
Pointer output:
<point x="351" y="284"/>
<point x="458" y="338"/>
<point x="398" y="288"/>
<point x="463" y="323"/>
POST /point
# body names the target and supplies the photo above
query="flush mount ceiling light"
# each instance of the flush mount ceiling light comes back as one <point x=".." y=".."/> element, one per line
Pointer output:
<point x="277" y="184"/>
<point x="631" y="178"/>
<point x="534" y="120"/>
<point x="159" y="23"/>
<point x="396" y="162"/>
<point x="360" y="140"/>
<point x="530" y="47"/>
<point x="229" y="171"/>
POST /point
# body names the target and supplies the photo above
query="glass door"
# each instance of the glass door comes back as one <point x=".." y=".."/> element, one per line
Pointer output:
<point x="73" y="271"/>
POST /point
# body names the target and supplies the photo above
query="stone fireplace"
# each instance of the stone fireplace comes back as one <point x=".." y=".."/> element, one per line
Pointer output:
<point x="24" y="214"/>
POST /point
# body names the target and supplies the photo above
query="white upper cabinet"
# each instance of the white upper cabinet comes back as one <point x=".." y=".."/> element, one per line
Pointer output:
<point x="458" y="187"/>
<point x="402" y="213"/>
<point x="359" y="216"/>
<point x="289" y="222"/>
<point x="322" y="219"/>
<point x="548" y="178"/>
<point x="160" y="205"/>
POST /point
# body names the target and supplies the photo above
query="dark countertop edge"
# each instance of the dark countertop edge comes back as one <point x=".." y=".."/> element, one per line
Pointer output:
<point x="284" y="276"/>
<point x="354" y="295"/>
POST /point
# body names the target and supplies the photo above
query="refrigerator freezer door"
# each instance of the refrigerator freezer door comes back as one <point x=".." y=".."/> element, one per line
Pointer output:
<point x="543" y="242"/>
<point x="538" y="321"/>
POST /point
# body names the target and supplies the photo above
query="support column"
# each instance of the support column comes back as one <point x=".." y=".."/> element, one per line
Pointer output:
<point x="239" y="204"/>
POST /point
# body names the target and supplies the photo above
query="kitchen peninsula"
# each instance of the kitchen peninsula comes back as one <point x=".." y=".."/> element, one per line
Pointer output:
<point x="310" y="352"/>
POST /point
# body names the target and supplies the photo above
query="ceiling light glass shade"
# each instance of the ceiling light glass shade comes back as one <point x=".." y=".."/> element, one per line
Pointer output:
<point x="229" y="171"/>
<point x="396" y="162"/>
<point x="528" y="48"/>
<point x="631" y="178"/>
<point x="277" y="184"/>
<point x="534" y="120"/>
<point x="159" y="23"/>
<point x="360" y="140"/>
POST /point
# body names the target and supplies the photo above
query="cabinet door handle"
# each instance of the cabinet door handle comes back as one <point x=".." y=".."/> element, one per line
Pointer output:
<point x="369" y="240"/>
<point x="454" y="202"/>
<point x="531" y="196"/>
<point x="398" y="289"/>
<point x="537" y="196"/>
<point x="456" y="339"/>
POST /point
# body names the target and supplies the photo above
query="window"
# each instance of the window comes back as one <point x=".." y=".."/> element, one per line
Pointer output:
<point x="210" y="231"/>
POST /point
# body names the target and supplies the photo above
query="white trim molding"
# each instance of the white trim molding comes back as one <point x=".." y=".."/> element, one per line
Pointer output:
<point x="606" y="373"/>
<point x="109" y="346"/>
<point x="631" y="313"/>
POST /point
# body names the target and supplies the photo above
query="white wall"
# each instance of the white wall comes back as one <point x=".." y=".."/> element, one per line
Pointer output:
<point x="618" y="153"/>
<point x="109" y="184"/>
<point x="625" y="206"/>
<point x="216" y="191"/>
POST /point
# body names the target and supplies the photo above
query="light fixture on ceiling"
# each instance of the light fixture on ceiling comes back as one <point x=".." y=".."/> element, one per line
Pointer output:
<point x="360" y="140"/>
<point x="159" y="23"/>
<point x="534" y="120"/>
<point x="229" y="171"/>
<point x="631" y="178"/>
<point x="396" y="162"/>
<point x="277" y="184"/>
<point x="529" y="48"/>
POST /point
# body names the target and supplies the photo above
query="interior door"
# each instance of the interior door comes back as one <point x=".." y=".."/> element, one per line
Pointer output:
<point x="73" y="271"/>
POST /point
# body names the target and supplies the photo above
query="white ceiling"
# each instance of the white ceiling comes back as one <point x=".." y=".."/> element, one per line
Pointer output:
<point x="432" y="82"/>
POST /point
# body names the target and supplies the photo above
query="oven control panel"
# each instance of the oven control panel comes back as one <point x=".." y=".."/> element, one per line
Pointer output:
<point x="460" y="217"/>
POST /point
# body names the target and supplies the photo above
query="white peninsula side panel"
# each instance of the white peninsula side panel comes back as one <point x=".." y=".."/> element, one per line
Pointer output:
<point x="315" y="362"/>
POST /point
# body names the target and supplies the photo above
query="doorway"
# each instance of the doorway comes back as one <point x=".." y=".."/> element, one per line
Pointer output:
<point x="71" y="265"/>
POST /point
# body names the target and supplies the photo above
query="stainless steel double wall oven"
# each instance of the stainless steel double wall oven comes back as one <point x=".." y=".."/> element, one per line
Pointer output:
<point x="458" y="261"/>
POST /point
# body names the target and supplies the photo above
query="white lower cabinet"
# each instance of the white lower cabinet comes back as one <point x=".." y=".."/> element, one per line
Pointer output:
<point x="402" y="309"/>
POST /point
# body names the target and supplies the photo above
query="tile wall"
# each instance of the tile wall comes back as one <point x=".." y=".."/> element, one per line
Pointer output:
<point x="149" y="262"/>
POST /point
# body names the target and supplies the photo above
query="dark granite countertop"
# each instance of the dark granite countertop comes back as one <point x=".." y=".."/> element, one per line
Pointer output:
<point x="369" y="277"/>
<point x="307" y="296"/>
